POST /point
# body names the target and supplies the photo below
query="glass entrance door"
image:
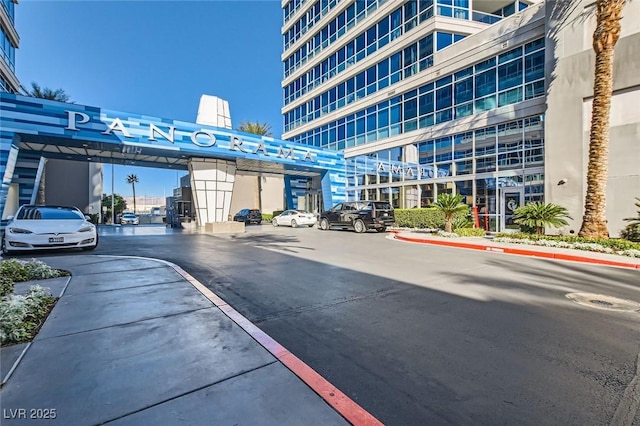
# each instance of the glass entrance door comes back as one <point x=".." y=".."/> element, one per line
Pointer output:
<point x="510" y="200"/>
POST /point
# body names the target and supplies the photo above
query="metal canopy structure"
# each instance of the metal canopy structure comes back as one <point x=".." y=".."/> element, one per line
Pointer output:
<point x="33" y="128"/>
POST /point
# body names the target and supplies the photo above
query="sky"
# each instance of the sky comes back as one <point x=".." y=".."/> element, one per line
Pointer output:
<point x="155" y="58"/>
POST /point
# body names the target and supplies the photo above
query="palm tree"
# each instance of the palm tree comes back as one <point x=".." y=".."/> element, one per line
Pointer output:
<point x="256" y="128"/>
<point x="46" y="93"/>
<point x="133" y="179"/>
<point x="449" y="205"/>
<point x="540" y="215"/>
<point x="605" y="37"/>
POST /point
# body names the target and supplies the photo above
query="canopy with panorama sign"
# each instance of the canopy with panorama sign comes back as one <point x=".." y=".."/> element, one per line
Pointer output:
<point x="61" y="130"/>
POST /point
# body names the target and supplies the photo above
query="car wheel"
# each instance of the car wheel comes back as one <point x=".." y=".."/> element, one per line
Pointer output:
<point x="359" y="227"/>
<point x="274" y="222"/>
<point x="5" y="250"/>
<point x="324" y="224"/>
<point x="381" y="229"/>
<point x="294" y="224"/>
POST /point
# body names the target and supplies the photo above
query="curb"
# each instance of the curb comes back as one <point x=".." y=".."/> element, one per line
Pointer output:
<point x="340" y="402"/>
<point x="519" y="252"/>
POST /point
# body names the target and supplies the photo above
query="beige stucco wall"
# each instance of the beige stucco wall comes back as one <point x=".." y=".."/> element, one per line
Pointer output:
<point x="570" y="69"/>
<point x="245" y="193"/>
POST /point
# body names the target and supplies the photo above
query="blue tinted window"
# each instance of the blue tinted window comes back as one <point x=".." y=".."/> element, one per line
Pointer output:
<point x="464" y="91"/>
<point x="425" y="103"/>
<point x="443" y="40"/>
<point x="534" y="45"/>
<point x="509" y="75"/>
<point x="411" y="109"/>
<point x="396" y="114"/>
<point x="512" y="54"/>
<point x="534" y="66"/>
<point x="443" y="98"/>
<point x="485" y="83"/>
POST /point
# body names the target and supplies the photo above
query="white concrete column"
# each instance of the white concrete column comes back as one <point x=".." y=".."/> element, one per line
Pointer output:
<point x="211" y="187"/>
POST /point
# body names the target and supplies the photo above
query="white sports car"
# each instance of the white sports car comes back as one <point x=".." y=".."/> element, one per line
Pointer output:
<point x="48" y="227"/>
<point x="295" y="218"/>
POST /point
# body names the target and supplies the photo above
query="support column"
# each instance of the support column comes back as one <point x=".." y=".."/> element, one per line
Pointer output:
<point x="211" y="188"/>
<point x="8" y="158"/>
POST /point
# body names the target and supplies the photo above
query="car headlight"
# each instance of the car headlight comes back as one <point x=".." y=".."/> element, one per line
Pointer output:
<point x="19" y="231"/>
<point x="86" y="229"/>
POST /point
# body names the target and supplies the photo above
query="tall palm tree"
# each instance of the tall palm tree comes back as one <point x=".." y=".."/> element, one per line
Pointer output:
<point x="46" y="93"/>
<point x="605" y="37"/>
<point x="133" y="179"/>
<point x="256" y="128"/>
<point x="449" y="205"/>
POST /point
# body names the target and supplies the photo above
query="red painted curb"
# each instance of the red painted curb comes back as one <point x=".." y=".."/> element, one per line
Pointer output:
<point x="517" y="251"/>
<point x="340" y="402"/>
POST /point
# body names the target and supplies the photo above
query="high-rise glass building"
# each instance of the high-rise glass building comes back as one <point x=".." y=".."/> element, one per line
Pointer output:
<point x="426" y="97"/>
<point x="9" y="42"/>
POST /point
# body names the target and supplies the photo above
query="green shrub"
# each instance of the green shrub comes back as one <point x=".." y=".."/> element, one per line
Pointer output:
<point x="6" y="286"/>
<point x="540" y="215"/>
<point x="266" y="216"/>
<point x="21" y="270"/>
<point x="423" y="218"/>
<point x="470" y="232"/>
<point x="461" y="222"/>
<point x="451" y="206"/>
<point x="616" y="244"/>
<point x="15" y="270"/>
<point x="22" y="316"/>
<point x="632" y="231"/>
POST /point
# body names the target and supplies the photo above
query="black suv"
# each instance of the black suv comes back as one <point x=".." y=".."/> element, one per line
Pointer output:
<point x="248" y="216"/>
<point x="358" y="215"/>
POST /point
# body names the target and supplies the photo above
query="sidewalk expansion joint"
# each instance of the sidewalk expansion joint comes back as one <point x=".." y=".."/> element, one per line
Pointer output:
<point x="127" y="288"/>
<point x="275" y="361"/>
<point x="123" y="324"/>
<point x="118" y="271"/>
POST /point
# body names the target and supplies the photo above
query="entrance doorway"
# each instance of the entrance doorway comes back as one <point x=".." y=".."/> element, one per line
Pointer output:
<point x="510" y="200"/>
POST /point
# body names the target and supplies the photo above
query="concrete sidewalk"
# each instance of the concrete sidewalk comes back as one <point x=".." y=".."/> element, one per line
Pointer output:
<point x="139" y="341"/>
<point x="485" y="244"/>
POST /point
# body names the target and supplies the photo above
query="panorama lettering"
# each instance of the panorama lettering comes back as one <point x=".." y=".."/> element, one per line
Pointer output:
<point x="203" y="138"/>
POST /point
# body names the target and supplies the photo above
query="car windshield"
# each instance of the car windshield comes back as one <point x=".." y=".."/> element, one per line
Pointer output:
<point x="43" y="212"/>
<point x="130" y="216"/>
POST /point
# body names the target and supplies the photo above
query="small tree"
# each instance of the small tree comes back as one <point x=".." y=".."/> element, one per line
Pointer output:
<point x="133" y="179"/>
<point x="632" y="231"/>
<point x="449" y="205"/>
<point x="540" y="215"/>
<point x="119" y="204"/>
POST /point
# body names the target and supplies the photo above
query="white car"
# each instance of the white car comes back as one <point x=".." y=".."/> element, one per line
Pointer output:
<point x="129" y="218"/>
<point x="48" y="227"/>
<point x="295" y="218"/>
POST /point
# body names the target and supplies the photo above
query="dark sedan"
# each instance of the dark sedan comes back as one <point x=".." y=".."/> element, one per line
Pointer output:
<point x="248" y="216"/>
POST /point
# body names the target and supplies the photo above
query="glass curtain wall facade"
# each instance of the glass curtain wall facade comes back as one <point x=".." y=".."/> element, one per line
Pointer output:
<point x="385" y="83"/>
<point x="8" y="44"/>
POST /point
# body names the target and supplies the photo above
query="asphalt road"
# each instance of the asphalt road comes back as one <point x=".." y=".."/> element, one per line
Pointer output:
<point x="419" y="334"/>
